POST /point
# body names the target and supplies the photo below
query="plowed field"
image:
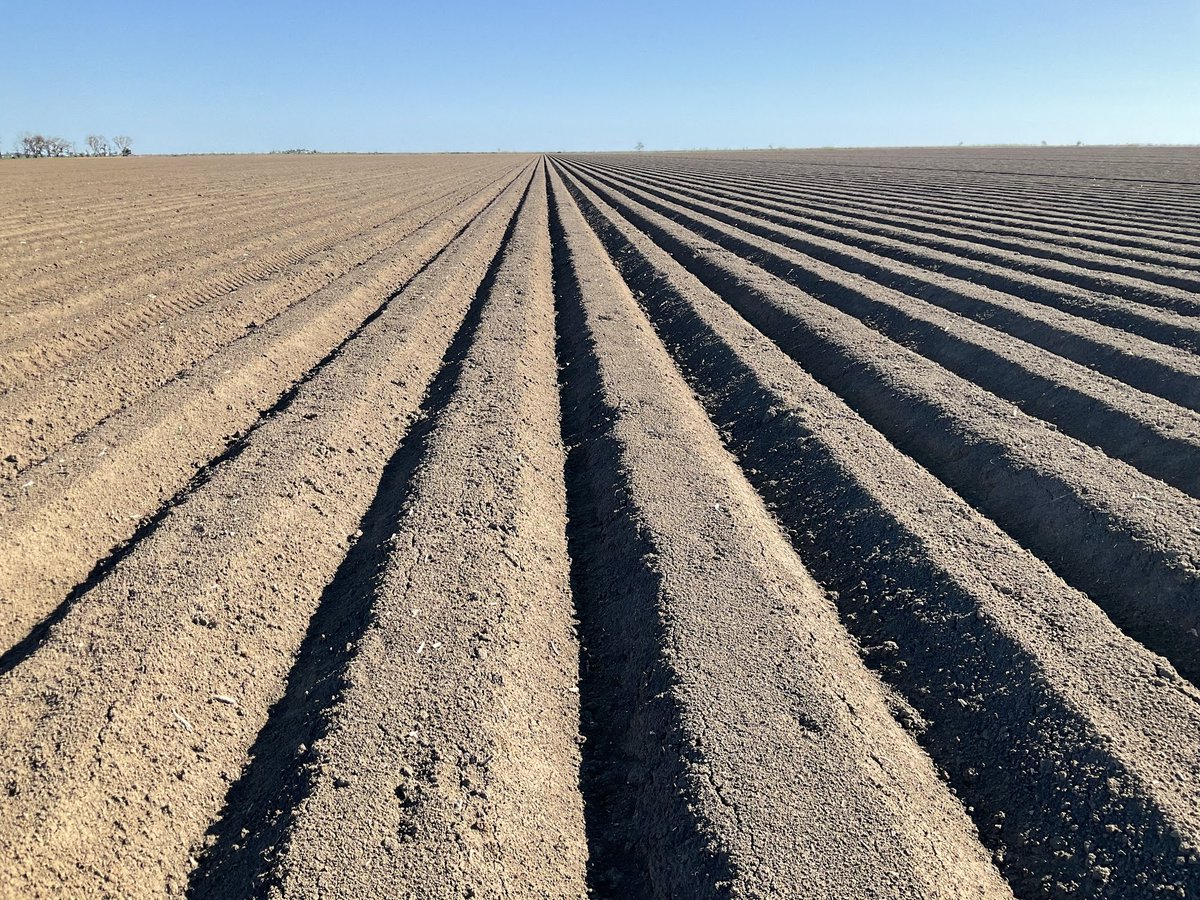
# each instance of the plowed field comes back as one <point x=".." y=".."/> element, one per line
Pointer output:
<point x="783" y="524"/>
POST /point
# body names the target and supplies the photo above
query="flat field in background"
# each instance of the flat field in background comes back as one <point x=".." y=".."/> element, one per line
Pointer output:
<point x="752" y="524"/>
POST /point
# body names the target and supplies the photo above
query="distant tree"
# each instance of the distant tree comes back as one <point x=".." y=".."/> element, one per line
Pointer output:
<point x="43" y="145"/>
<point x="32" y="144"/>
<point x="57" y="146"/>
<point x="98" y="145"/>
<point x="639" y="146"/>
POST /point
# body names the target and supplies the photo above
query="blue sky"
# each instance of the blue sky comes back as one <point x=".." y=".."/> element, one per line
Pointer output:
<point x="222" y="76"/>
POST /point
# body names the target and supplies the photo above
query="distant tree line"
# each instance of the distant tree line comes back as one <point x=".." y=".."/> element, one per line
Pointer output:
<point x="32" y="144"/>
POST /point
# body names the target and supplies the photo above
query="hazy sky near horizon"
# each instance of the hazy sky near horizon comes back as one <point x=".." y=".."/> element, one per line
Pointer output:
<point x="243" y="76"/>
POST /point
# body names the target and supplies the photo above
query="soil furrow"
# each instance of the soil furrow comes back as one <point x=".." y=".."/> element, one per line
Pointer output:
<point x="1025" y="695"/>
<point x="92" y="215"/>
<point x="894" y="199"/>
<point x="1129" y="541"/>
<point x="194" y="244"/>
<point x="1139" y="362"/>
<point x="1163" y="325"/>
<point x="1145" y="325"/>
<point x="463" y="685"/>
<point x="134" y="306"/>
<point x="1041" y="209"/>
<point x="120" y="734"/>
<point x="782" y="770"/>
<point x="1154" y="436"/>
<point x="42" y="415"/>
<point x="749" y="524"/>
<point x="1090" y="203"/>
<point x="70" y="510"/>
<point x="1066" y="263"/>
<point x="1156" y="286"/>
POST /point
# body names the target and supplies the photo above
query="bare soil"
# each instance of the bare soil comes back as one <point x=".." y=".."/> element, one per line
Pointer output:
<point x="767" y="524"/>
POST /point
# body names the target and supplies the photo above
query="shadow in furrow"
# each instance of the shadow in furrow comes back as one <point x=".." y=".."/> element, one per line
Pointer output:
<point x="1037" y="393"/>
<point x="243" y="844"/>
<point x="643" y="839"/>
<point x="1176" y="333"/>
<point x="1145" y="373"/>
<point x="998" y="757"/>
<point x="21" y="650"/>
<point x="1039" y="506"/>
<point x="867" y="237"/>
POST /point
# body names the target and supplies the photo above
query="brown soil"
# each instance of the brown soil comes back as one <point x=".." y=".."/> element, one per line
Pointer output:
<point x="793" y="524"/>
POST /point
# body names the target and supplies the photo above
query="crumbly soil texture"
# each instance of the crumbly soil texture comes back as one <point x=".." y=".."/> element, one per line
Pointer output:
<point x="789" y="524"/>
